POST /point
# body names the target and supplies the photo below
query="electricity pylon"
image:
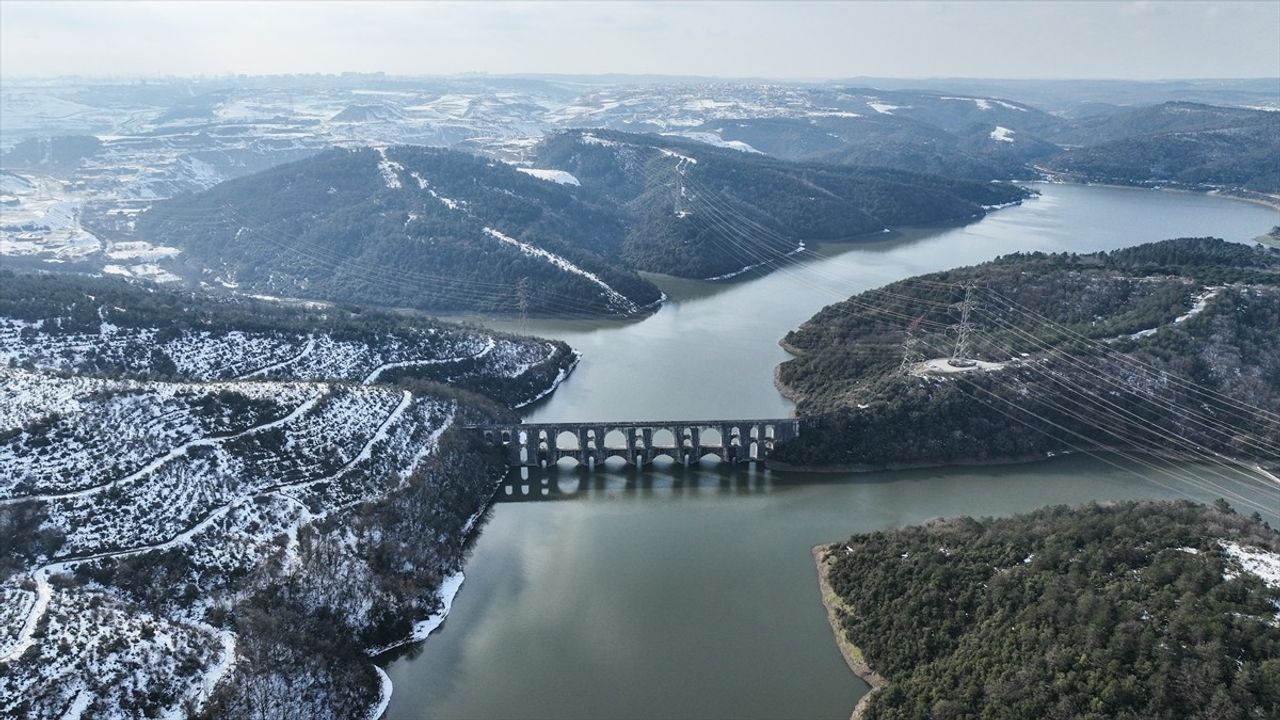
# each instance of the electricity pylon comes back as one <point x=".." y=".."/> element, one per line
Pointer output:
<point x="960" y="355"/>
<point x="911" y="354"/>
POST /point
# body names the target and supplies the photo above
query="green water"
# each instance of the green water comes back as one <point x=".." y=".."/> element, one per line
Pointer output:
<point x="691" y="593"/>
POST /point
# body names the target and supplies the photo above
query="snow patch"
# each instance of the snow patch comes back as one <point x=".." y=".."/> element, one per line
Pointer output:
<point x="142" y="271"/>
<point x="140" y="250"/>
<point x="985" y="103"/>
<point x="390" y="170"/>
<point x="982" y="103"/>
<point x="998" y="206"/>
<point x="384" y="694"/>
<point x="377" y="372"/>
<point x="615" y="298"/>
<point x="560" y="377"/>
<point x="715" y="140"/>
<point x="448" y="590"/>
<point x="589" y="139"/>
<point x="306" y="350"/>
<point x="424" y="185"/>
<point x="560" y="177"/>
<point x="833" y="113"/>
<point x="1255" y="561"/>
<point x="78" y="706"/>
<point x="226" y="660"/>
<point x="886" y="108"/>
<point x="1201" y="301"/>
<point x="682" y="158"/>
<point x="1002" y="134"/>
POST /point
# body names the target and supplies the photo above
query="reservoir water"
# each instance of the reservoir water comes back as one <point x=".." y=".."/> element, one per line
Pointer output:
<point x="673" y="593"/>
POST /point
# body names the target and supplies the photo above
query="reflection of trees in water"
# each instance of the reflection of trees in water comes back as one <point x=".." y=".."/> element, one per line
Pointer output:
<point x="569" y="481"/>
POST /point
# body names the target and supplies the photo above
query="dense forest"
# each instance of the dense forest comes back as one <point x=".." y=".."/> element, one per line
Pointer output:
<point x="1241" y="155"/>
<point x="701" y="211"/>
<point x="446" y="231"/>
<point x="1147" y="611"/>
<point x="1181" y="144"/>
<point x="83" y="303"/>
<point x="890" y="141"/>
<point x="405" y="227"/>
<point x="1169" y="348"/>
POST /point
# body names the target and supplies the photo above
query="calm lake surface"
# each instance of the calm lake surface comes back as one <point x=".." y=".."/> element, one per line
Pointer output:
<point x="691" y="593"/>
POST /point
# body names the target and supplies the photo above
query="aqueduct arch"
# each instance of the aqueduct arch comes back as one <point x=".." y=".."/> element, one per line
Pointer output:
<point x="638" y="443"/>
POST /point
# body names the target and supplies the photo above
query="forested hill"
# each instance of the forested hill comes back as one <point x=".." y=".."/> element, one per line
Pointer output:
<point x="1184" y="144"/>
<point x="406" y="227"/>
<point x="1238" y="153"/>
<point x="700" y="211"/>
<point x="208" y="503"/>
<point x="1148" y="120"/>
<point x="995" y="149"/>
<point x="110" y="327"/>
<point x="443" y="230"/>
<point x="1167" y="348"/>
<point x="1158" y="611"/>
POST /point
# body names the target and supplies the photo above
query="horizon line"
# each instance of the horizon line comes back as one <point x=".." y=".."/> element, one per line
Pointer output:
<point x="633" y="75"/>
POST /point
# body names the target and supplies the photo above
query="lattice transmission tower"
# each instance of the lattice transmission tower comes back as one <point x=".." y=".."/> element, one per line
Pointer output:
<point x="960" y="354"/>
<point x="912" y="354"/>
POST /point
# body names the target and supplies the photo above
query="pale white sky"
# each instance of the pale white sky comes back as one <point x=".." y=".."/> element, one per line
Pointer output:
<point x="1140" y="40"/>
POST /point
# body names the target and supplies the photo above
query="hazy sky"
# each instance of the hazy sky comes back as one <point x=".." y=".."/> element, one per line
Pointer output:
<point x="762" y="39"/>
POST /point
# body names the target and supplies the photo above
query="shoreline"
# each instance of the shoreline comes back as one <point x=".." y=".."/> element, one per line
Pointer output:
<point x="422" y="629"/>
<point x="384" y="694"/>
<point x="785" y="390"/>
<point x="1259" y="199"/>
<point x="1249" y="196"/>
<point x="780" y="466"/>
<point x="565" y="372"/>
<point x="1260" y="465"/>
<point x="851" y="653"/>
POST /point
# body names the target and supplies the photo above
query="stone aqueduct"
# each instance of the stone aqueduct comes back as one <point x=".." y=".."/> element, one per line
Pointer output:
<point x="639" y="443"/>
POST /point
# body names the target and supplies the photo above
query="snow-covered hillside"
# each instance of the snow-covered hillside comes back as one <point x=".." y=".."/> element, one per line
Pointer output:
<point x="149" y="523"/>
<point x="220" y="475"/>
<point x="104" y="327"/>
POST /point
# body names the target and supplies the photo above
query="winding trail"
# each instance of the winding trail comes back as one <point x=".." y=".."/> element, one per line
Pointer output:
<point x="44" y="590"/>
<point x="373" y="376"/>
<point x="173" y="454"/>
<point x="39" y="600"/>
<point x="306" y="350"/>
